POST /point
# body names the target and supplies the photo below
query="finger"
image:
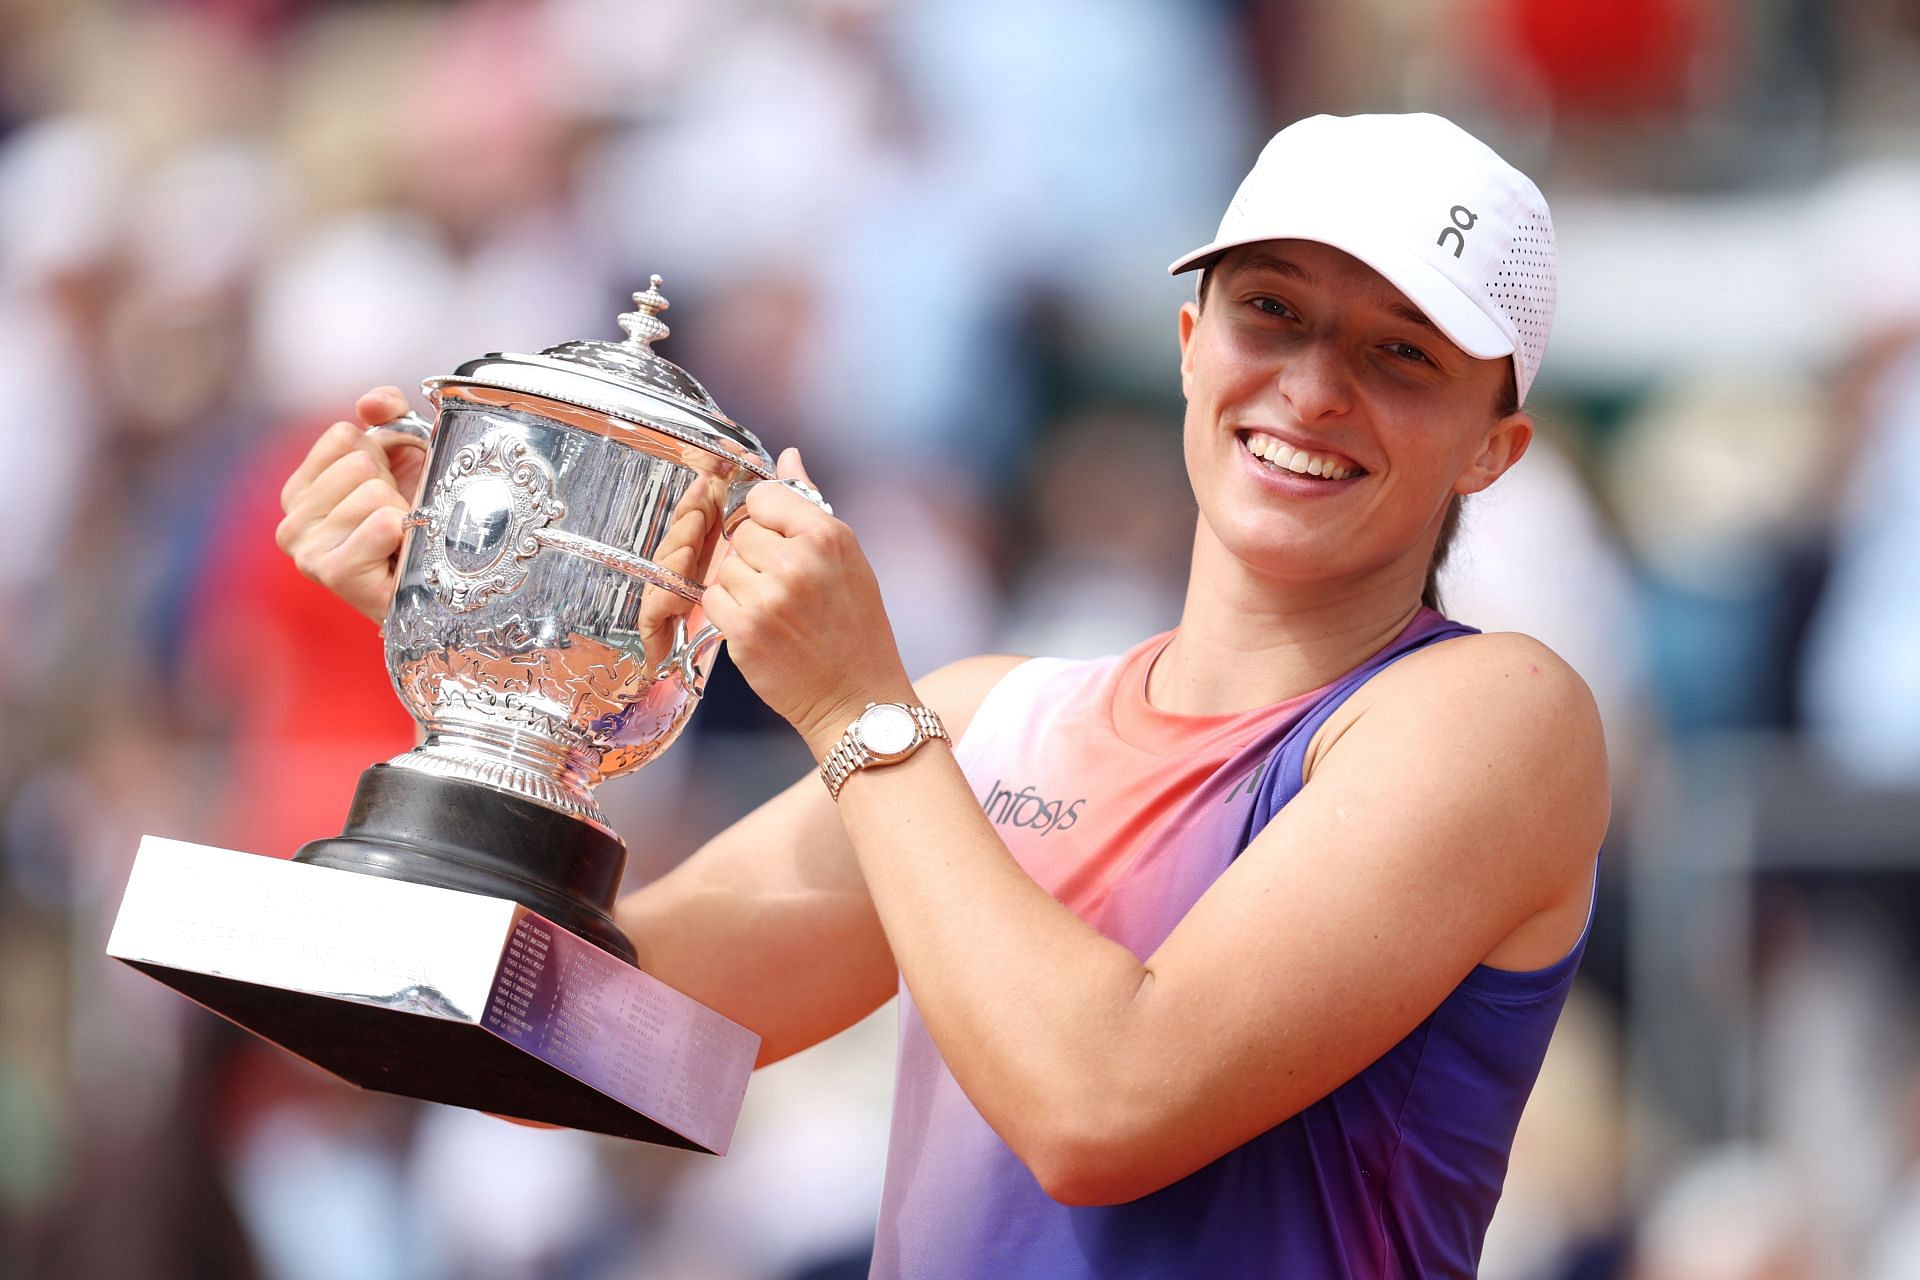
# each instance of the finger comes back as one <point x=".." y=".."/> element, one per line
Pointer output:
<point x="784" y="511"/>
<point x="744" y="596"/>
<point x="382" y="404"/>
<point x="722" y="609"/>
<point x="397" y="448"/>
<point x="790" y="467"/>
<point x="334" y="443"/>
<point x="396" y="445"/>
<point x="737" y="578"/>
<point x="686" y="538"/>
<point x="374" y="541"/>
<point x="757" y="545"/>
<point x="407" y="461"/>
<point x="322" y="536"/>
<point x="343" y="476"/>
<point x="658" y="607"/>
<point x="360" y="569"/>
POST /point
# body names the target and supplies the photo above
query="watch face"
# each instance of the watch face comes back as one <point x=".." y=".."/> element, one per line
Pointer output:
<point x="885" y="730"/>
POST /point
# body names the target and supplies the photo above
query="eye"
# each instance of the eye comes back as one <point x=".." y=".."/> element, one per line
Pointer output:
<point x="1272" y="307"/>
<point x="1407" y="351"/>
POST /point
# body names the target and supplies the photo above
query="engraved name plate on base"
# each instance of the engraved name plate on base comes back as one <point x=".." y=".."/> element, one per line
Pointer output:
<point x="434" y="993"/>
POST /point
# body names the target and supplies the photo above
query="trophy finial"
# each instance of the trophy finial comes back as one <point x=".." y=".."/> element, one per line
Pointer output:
<point x="644" y="326"/>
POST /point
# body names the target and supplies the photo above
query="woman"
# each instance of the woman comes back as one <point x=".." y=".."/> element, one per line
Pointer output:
<point x="1237" y="954"/>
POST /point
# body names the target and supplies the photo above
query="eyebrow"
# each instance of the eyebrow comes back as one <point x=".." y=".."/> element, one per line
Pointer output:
<point x="1412" y="315"/>
<point x="1294" y="271"/>
<point x="1281" y="266"/>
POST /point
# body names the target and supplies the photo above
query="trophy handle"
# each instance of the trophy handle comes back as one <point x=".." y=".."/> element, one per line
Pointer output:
<point x="688" y="654"/>
<point x="736" y="509"/>
<point x="413" y="429"/>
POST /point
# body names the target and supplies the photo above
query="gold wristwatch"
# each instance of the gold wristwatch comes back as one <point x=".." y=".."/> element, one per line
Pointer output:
<point x="885" y="733"/>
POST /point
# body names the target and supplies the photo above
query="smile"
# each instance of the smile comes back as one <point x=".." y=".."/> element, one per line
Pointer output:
<point x="1278" y="455"/>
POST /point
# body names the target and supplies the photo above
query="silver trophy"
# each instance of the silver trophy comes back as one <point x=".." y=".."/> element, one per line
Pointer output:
<point x="455" y="942"/>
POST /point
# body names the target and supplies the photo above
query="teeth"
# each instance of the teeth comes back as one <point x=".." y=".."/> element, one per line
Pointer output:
<point x="1282" y="456"/>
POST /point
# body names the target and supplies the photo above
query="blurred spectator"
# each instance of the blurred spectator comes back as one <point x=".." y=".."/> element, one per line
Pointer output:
<point x="1717" y="483"/>
<point x="1893" y="1250"/>
<point x="1111" y="516"/>
<point x="61" y="183"/>
<point x="1862" y="679"/>
<point x="1735" y="1214"/>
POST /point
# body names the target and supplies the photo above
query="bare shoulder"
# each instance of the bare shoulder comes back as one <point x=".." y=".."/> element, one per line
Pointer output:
<point x="1507" y="692"/>
<point x="1495" y="741"/>
<point x="1497" y="665"/>
<point x="1502" y="700"/>
<point x="956" y="690"/>
<point x="1500" y="682"/>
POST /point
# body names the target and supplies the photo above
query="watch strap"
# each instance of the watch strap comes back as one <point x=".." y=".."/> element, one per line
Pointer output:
<point x="848" y="756"/>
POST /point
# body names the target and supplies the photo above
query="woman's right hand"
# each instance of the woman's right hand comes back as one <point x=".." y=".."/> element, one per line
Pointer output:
<point x="347" y="503"/>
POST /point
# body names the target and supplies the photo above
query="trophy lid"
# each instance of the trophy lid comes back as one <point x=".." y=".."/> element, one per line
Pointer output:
<point x="626" y="380"/>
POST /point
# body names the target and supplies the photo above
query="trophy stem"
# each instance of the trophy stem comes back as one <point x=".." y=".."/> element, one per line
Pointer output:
<point x="525" y="763"/>
<point x="410" y="825"/>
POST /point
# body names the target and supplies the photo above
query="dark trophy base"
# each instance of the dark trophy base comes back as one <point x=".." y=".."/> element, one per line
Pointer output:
<point x="410" y="956"/>
<point x="414" y="826"/>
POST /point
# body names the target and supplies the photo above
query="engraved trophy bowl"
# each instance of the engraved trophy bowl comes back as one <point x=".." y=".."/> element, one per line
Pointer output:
<point x="455" y="942"/>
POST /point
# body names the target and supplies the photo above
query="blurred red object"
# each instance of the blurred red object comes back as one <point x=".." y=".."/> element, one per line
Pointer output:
<point x="300" y="677"/>
<point x="1606" y="58"/>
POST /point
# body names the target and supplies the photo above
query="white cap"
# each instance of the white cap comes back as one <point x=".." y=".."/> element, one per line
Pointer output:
<point x="1462" y="233"/>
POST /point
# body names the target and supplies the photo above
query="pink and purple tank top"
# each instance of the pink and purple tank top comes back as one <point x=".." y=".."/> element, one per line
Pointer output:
<point x="1127" y="815"/>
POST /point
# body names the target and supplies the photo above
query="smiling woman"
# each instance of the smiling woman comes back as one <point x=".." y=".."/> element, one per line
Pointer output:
<point x="1273" y="1003"/>
<point x="1213" y="960"/>
<point x="1246" y="267"/>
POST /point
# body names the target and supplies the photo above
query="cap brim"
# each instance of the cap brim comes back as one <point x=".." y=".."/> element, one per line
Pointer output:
<point x="1438" y="298"/>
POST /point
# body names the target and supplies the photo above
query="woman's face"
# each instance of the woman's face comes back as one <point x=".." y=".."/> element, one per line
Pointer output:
<point x="1328" y="422"/>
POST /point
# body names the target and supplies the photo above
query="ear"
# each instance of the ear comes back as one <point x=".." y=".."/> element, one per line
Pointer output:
<point x="1504" y="445"/>
<point x="1189" y="317"/>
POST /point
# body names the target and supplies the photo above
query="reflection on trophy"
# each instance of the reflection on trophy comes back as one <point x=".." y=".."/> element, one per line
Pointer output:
<point x="455" y="942"/>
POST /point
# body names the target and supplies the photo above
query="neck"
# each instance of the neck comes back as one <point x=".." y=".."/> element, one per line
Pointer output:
<point x="1247" y="641"/>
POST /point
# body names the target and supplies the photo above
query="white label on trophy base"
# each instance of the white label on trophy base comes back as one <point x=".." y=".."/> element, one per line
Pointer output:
<point x="285" y="924"/>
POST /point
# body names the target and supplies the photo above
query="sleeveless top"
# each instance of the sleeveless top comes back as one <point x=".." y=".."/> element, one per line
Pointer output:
<point x="1127" y="815"/>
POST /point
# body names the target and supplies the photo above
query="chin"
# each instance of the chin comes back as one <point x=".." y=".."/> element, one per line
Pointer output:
<point x="1282" y="548"/>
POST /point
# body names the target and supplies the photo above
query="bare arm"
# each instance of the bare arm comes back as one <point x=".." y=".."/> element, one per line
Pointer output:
<point x="770" y="922"/>
<point x="1345" y="923"/>
<point x="1453" y="821"/>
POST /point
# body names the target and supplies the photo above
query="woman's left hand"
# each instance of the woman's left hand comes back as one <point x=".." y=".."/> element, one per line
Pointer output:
<point x="801" y="611"/>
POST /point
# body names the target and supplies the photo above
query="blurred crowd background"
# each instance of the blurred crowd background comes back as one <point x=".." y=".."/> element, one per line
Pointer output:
<point x="925" y="240"/>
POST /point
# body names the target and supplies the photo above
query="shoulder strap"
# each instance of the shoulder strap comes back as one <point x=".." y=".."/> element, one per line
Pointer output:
<point x="1283" y="775"/>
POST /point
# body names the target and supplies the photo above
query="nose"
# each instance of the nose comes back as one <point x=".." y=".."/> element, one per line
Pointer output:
<point x="1315" y="382"/>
